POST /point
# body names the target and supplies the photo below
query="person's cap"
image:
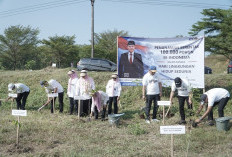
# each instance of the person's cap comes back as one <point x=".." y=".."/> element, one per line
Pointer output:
<point x="114" y="75"/>
<point x="203" y="98"/>
<point x="42" y="83"/>
<point x="131" y="42"/>
<point x="153" y="69"/>
<point x="10" y="86"/>
<point x="83" y="73"/>
<point x="177" y="81"/>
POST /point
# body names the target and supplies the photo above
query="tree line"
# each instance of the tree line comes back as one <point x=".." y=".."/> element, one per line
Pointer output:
<point x="21" y="49"/>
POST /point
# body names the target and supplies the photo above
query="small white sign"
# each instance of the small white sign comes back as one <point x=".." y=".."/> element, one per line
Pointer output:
<point x="82" y="97"/>
<point x="164" y="103"/>
<point x="53" y="65"/>
<point x="13" y="95"/>
<point x="19" y="112"/>
<point x="52" y="95"/>
<point x="175" y="129"/>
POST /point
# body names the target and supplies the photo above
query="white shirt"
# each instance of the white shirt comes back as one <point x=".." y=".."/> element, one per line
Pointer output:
<point x="184" y="89"/>
<point x="71" y="87"/>
<point x="52" y="84"/>
<point x="113" y="88"/>
<point x="152" y="83"/>
<point x="84" y="87"/>
<point x="216" y="94"/>
<point x="21" y="88"/>
<point x="104" y="99"/>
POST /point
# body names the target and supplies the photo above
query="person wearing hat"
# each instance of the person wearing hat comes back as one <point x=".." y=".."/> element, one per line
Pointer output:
<point x="83" y="88"/>
<point x="113" y="89"/>
<point x="22" y="93"/>
<point x="184" y="94"/>
<point x="131" y="63"/>
<point x="213" y="97"/>
<point x="152" y="91"/>
<point x="99" y="103"/>
<point x="72" y="82"/>
<point x="53" y="86"/>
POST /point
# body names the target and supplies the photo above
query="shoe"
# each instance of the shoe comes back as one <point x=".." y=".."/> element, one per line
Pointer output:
<point x="211" y="123"/>
<point x="155" y="120"/>
<point x="147" y="121"/>
<point x="182" y="122"/>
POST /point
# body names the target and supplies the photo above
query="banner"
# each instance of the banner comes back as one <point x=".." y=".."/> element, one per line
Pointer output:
<point x="173" y="57"/>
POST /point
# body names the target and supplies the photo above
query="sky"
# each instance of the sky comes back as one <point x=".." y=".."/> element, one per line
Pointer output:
<point x="140" y="18"/>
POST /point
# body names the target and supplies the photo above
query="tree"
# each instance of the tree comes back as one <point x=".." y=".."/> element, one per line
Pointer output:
<point x="62" y="49"/>
<point x="106" y="44"/>
<point x="217" y="27"/>
<point x="18" y="46"/>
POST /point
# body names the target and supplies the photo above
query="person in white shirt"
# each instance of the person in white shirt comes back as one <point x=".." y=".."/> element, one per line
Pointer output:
<point x="22" y="93"/>
<point x="184" y="94"/>
<point x="152" y="89"/>
<point x="113" y="90"/>
<point x="213" y="97"/>
<point x="99" y="103"/>
<point x="53" y="86"/>
<point x="72" y="82"/>
<point x="83" y="88"/>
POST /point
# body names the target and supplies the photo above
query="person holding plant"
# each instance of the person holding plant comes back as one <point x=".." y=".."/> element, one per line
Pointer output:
<point x="99" y="103"/>
<point x="213" y="97"/>
<point x="22" y="93"/>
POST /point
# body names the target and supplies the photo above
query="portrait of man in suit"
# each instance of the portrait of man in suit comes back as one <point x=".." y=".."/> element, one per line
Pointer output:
<point x="131" y="64"/>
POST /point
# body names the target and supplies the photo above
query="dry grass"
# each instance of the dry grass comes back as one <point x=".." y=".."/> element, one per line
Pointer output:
<point x="45" y="134"/>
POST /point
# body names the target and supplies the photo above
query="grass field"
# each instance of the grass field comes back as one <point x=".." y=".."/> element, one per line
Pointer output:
<point x="45" y="134"/>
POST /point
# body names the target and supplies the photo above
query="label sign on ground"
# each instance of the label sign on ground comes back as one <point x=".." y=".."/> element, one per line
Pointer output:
<point x="82" y="97"/>
<point x="52" y="95"/>
<point x="164" y="103"/>
<point x="13" y="95"/>
<point x="176" y="129"/>
<point x="19" y="112"/>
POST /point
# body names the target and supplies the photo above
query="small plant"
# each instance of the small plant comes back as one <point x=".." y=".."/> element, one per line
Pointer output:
<point x="135" y="129"/>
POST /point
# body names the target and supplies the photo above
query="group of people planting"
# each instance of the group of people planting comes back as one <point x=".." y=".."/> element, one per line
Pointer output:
<point x="84" y="100"/>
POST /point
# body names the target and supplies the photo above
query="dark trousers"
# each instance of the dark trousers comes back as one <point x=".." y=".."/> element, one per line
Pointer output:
<point x="22" y="96"/>
<point x="149" y="100"/>
<point x="61" y="103"/>
<point x="73" y="105"/>
<point x="115" y="101"/>
<point x="103" y="114"/>
<point x="221" y="104"/>
<point x="86" y="107"/>
<point x="181" y="100"/>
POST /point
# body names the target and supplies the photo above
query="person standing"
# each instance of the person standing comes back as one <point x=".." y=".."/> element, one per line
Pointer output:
<point x="72" y="82"/>
<point x="99" y="103"/>
<point x="184" y="94"/>
<point x="22" y="93"/>
<point x="152" y="92"/>
<point x="84" y="87"/>
<point x="130" y="63"/>
<point x="213" y="97"/>
<point x="113" y="90"/>
<point x="53" y="86"/>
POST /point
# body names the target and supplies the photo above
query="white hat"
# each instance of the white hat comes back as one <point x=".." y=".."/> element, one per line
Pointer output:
<point x="70" y="72"/>
<point x="83" y="71"/>
<point x="10" y="86"/>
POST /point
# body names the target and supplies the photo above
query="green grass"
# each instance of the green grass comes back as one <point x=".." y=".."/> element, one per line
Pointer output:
<point x="45" y="134"/>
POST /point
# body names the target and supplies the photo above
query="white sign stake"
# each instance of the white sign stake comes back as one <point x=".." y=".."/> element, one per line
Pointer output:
<point x="164" y="103"/>
<point x="177" y="129"/>
<point x="18" y="113"/>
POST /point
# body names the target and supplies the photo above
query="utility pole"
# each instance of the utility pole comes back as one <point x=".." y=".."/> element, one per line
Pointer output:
<point x="92" y="30"/>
